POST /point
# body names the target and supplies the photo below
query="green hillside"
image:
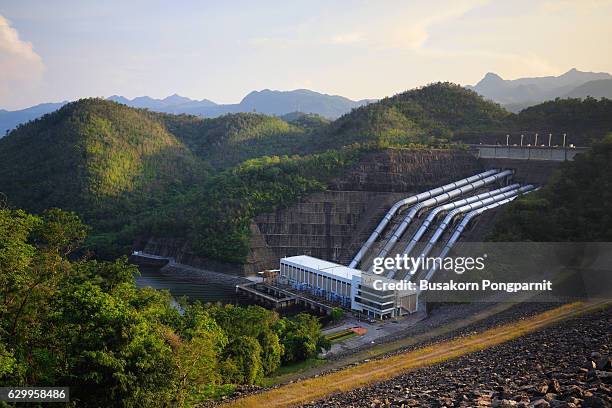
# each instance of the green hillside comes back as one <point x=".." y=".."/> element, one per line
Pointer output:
<point x="104" y="160"/>
<point x="133" y="173"/>
<point x="230" y="139"/>
<point x="215" y="215"/>
<point x="427" y="115"/>
<point x="307" y="121"/>
<point x="574" y="206"/>
<point x="88" y="152"/>
<point x="584" y="120"/>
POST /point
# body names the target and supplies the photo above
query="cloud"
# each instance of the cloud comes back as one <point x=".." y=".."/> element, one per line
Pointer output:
<point x="19" y="62"/>
<point x="415" y="31"/>
<point x="409" y="27"/>
<point x="347" y="38"/>
<point x="572" y="6"/>
<point x="405" y="26"/>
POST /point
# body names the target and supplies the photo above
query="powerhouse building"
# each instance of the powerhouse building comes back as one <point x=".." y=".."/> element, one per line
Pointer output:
<point x="346" y="286"/>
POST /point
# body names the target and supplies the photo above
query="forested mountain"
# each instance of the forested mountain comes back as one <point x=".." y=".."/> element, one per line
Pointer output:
<point x="88" y="151"/>
<point x="129" y="171"/>
<point x="521" y="93"/>
<point x="230" y="139"/>
<point x="104" y="160"/>
<point x="582" y="119"/>
<point x="427" y="115"/>
<point x="136" y="173"/>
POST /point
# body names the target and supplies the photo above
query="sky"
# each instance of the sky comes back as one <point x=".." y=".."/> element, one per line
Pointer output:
<point x="220" y="50"/>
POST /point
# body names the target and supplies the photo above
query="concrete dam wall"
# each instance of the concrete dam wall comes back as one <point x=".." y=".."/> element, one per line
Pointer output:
<point x="333" y="225"/>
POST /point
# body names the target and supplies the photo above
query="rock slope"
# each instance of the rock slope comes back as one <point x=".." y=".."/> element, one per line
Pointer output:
<point x="566" y="365"/>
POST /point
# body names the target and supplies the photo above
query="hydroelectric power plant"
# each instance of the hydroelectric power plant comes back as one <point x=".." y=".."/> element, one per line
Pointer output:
<point x="323" y="249"/>
<point x="357" y="288"/>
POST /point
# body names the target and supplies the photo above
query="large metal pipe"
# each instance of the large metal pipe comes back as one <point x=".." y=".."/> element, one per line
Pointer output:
<point x="469" y="207"/>
<point x="409" y="201"/>
<point x="463" y="224"/>
<point x="446" y="207"/>
<point x="401" y="228"/>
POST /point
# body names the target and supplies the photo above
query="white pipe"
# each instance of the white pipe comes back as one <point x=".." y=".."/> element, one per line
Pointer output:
<point x="409" y="201"/>
<point x="473" y="206"/>
<point x="463" y="224"/>
<point x="434" y="213"/>
<point x="401" y="228"/>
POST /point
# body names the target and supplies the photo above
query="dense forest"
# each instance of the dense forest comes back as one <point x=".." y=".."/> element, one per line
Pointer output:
<point x="133" y="173"/>
<point x="574" y="206"/>
<point x="72" y="320"/>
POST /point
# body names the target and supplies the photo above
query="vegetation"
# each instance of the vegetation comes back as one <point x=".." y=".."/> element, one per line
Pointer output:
<point x="68" y="319"/>
<point x="84" y="323"/>
<point x="574" y="206"/>
<point x="131" y="173"/>
<point x="337" y="314"/>
<point x="341" y="335"/>
<point x="215" y="216"/>
<point x="307" y="121"/>
<point x="230" y="139"/>
<point x="429" y="115"/>
<point x="584" y="120"/>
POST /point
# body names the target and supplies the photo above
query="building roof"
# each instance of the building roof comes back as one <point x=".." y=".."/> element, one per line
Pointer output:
<point x="331" y="268"/>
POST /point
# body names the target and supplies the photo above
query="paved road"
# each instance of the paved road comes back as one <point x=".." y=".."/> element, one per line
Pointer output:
<point x="376" y="331"/>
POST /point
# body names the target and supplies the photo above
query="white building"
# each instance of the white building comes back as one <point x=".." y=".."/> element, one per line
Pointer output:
<point x="346" y="286"/>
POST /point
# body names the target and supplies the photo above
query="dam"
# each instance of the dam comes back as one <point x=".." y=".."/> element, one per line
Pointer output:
<point x="426" y="200"/>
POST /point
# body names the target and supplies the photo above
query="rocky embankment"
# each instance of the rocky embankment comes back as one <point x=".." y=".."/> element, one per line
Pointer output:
<point x="566" y="365"/>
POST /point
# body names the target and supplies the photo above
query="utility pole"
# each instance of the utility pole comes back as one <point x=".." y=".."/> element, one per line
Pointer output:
<point x="522" y="139"/>
<point x="536" y="140"/>
<point x="549" y="139"/>
<point x="564" y="139"/>
<point x="507" y="140"/>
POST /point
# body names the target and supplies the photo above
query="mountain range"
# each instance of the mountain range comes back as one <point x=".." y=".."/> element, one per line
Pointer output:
<point x="133" y="173"/>
<point x="515" y="95"/>
<point x="267" y="101"/>
<point x="518" y="94"/>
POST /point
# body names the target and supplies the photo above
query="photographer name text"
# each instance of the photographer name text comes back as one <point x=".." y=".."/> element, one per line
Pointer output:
<point x="484" y="285"/>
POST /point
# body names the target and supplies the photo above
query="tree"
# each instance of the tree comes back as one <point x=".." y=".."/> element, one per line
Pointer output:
<point x="302" y="338"/>
<point x="243" y="363"/>
<point x="337" y="314"/>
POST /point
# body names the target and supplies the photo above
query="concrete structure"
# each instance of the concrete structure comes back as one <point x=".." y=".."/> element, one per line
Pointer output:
<point x="277" y="298"/>
<point x="527" y="152"/>
<point x="347" y="286"/>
